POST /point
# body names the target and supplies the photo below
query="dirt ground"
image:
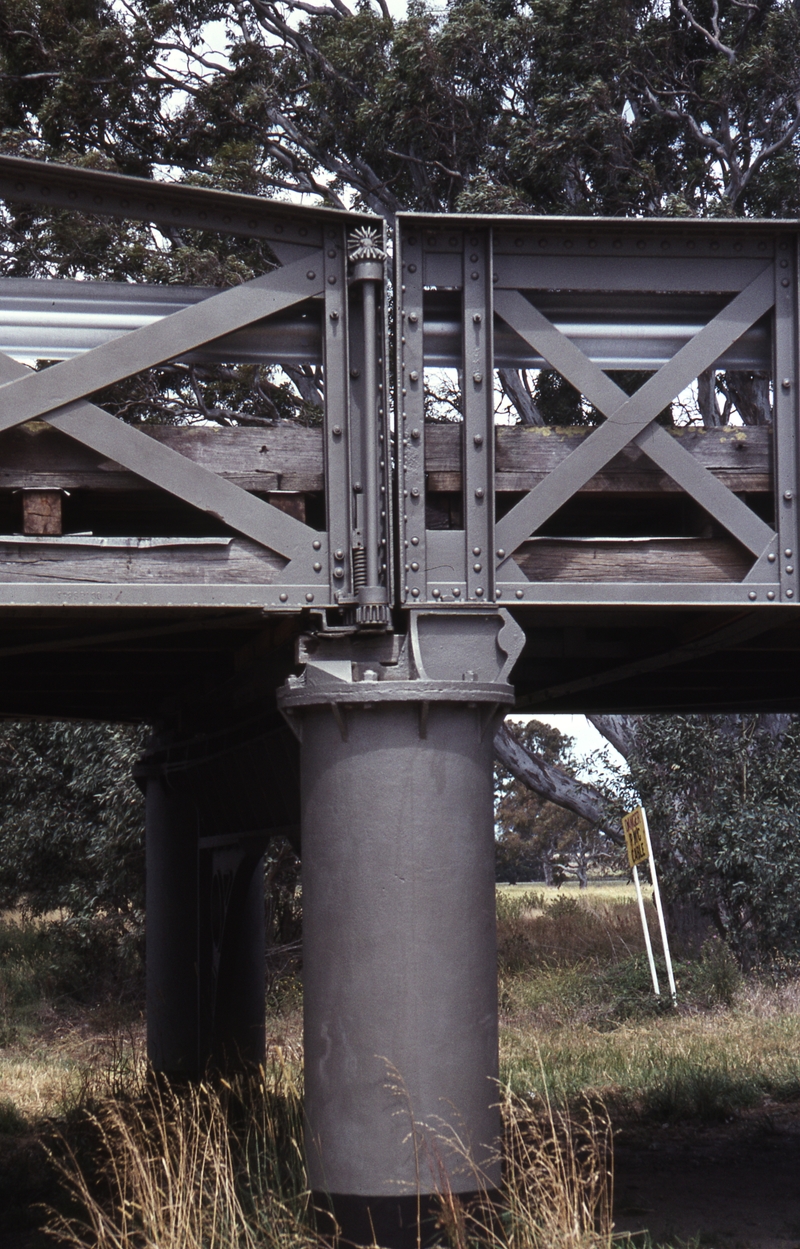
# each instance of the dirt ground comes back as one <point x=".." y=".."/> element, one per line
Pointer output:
<point x="734" y="1185"/>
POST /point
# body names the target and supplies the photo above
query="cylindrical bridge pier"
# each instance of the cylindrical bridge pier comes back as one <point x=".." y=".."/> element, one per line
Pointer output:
<point x="399" y="950"/>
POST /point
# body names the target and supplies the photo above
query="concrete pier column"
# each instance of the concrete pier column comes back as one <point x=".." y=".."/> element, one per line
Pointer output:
<point x="171" y="928"/>
<point x="399" y="951"/>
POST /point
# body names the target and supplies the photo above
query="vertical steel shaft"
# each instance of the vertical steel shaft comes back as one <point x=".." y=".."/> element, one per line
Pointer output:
<point x="172" y="923"/>
<point x="370" y="433"/>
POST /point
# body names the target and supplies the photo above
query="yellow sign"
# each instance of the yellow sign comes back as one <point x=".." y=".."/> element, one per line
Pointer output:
<point x="633" y="826"/>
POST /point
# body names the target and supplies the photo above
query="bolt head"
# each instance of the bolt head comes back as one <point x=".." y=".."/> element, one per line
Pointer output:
<point x="413" y="318"/>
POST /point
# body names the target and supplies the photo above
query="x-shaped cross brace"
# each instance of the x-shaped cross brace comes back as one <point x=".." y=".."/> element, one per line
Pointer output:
<point x="56" y="395"/>
<point x="631" y="418"/>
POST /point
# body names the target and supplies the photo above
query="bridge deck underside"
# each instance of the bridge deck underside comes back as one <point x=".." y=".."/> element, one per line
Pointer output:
<point x="144" y="665"/>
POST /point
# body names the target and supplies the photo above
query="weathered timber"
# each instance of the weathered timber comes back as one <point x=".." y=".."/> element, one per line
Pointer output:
<point x="143" y="561"/>
<point x="633" y="559"/>
<point x="283" y="458"/>
<point x="290" y="458"/>
<point x="741" y="458"/>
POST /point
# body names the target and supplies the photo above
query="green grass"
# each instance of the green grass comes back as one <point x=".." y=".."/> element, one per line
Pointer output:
<point x="579" y="1016"/>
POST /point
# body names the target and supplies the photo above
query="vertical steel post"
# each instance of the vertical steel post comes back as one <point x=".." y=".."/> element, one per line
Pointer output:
<point x="205" y="972"/>
<point x="367" y="258"/>
<point x="172" y="921"/>
<point x="399" y="957"/>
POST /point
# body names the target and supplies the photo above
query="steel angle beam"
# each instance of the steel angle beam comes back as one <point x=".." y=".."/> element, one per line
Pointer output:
<point x="287" y="227"/>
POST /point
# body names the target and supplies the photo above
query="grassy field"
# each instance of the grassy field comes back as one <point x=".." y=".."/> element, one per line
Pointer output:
<point x="586" y="1052"/>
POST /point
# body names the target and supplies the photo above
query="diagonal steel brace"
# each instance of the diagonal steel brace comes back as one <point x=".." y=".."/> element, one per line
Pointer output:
<point x="630" y="418"/>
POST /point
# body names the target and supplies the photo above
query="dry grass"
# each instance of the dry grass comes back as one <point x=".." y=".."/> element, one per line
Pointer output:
<point x="203" y="1168"/>
<point x="218" y="1167"/>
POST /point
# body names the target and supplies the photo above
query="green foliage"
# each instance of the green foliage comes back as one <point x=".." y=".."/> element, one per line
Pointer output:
<point x="723" y="797"/>
<point x="71" y="820"/>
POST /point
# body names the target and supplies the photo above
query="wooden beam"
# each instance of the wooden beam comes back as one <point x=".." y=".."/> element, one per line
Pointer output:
<point x="290" y="459"/>
<point x="203" y="561"/>
<point x="647" y="559"/>
<point x="739" y="457"/>
<point x="283" y="459"/>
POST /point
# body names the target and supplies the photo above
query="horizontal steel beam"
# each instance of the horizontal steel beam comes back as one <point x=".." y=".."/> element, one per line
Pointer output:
<point x="55" y="320"/>
<point x="48" y="185"/>
<point x="614" y="331"/>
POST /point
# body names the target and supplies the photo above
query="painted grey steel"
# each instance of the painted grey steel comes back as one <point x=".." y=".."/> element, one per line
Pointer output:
<point x="478" y="413"/>
<point x="410" y="416"/>
<point x="628" y="418"/>
<point x="399" y="980"/>
<point x="400" y="993"/>
<point x="114" y="361"/>
<point x="628" y="331"/>
<point x="49" y="185"/>
<point x="172" y="925"/>
<point x="786" y="396"/>
<point x="584" y="297"/>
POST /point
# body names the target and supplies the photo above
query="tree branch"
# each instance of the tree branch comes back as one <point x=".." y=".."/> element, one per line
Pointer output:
<point x="556" y="786"/>
<point x="620" y="731"/>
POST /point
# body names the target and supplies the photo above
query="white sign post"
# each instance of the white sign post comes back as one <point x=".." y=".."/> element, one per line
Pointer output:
<point x="640" y="850"/>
